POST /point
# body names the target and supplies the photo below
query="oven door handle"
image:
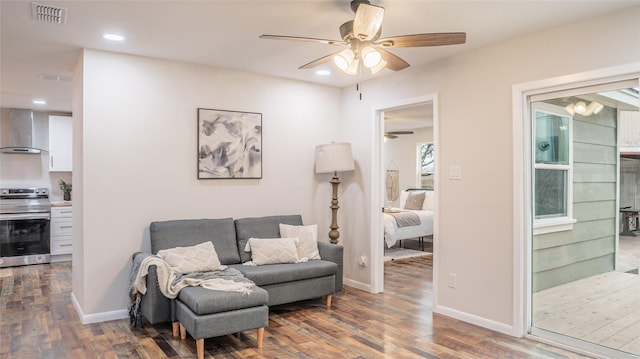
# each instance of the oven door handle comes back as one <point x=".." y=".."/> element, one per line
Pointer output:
<point x="19" y="216"/>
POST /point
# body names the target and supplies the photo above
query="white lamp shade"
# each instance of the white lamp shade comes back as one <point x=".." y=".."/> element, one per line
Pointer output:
<point x="343" y="59"/>
<point x="334" y="157"/>
<point x="370" y="57"/>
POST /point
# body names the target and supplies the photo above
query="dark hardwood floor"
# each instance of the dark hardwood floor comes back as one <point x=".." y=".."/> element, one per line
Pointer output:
<point x="37" y="320"/>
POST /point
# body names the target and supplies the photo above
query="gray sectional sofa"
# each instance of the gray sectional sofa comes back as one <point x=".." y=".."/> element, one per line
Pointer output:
<point x="204" y="313"/>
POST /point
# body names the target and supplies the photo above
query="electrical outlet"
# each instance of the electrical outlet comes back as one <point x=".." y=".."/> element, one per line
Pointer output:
<point x="363" y="261"/>
<point x="452" y="280"/>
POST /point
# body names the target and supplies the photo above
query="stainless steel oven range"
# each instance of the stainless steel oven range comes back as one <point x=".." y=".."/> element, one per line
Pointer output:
<point x="24" y="226"/>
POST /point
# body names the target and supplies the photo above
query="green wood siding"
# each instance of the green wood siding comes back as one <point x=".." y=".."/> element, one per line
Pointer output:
<point x="589" y="248"/>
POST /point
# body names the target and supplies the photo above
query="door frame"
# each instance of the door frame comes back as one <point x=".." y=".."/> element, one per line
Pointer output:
<point x="377" y="193"/>
<point x="522" y="188"/>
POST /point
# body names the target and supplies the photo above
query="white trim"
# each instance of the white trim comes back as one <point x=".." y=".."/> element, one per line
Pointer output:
<point x="480" y="321"/>
<point x="564" y="223"/>
<point x="577" y="345"/>
<point x="357" y="285"/>
<point x="97" y="317"/>
<point x="377" y="203"/>
<point x="377" y="191"/>
<point x="521" y="178"/>
<point x="556" y="224"/>
<point x="627" y="149"/>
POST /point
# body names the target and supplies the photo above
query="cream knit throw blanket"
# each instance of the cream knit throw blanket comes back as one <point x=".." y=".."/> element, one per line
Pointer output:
<point x="171" y="282"/>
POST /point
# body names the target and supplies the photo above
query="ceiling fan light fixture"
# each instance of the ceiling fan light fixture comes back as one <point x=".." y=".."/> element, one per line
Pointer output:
<point x="344" y="59"/>
<point x="361" y="36"/>
<point x="353" y="67"/>
<point x="381" y="65"/>
<point x="370" y="57"/>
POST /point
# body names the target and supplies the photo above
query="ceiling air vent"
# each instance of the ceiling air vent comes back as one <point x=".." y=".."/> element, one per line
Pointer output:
<point x="48" y="13"/>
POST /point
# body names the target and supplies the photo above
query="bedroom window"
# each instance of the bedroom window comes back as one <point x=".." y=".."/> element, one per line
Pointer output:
<point x="425" y="153"/>
<point x="552" y="168"/>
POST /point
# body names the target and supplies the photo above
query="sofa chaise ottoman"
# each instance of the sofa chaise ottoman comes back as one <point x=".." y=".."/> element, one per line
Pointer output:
<point x="205" y="313"/>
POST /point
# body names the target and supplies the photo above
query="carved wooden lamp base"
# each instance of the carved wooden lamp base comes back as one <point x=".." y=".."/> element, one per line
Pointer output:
<point x="333" y="233"/>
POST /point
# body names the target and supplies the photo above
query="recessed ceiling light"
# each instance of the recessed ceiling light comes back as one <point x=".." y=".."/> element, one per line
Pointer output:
<point x="323" y="72"/>
<point x="39" y="102"/>
<point x="113" y="37"/>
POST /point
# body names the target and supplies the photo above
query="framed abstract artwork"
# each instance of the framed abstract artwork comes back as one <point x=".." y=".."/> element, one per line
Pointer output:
<point x="229" y="144"/>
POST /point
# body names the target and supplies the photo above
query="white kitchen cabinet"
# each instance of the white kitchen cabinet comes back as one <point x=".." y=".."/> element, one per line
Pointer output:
<point x="60" y="143"/>
<point x="61" y="230"/>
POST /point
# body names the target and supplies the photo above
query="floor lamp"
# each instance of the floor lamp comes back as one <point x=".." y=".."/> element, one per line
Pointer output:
<point x="334" y="157"/>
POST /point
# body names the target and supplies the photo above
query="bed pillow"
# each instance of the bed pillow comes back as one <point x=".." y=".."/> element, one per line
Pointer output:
<point x="308" y="239"/>
<point x="427" y="205"/>
<point x="414" y="201"/>
<point x="199" y="258"/>
<point x="272" y="250"/>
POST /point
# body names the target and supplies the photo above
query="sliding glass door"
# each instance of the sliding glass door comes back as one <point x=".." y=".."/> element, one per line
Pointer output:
<point x="579" y="294"/>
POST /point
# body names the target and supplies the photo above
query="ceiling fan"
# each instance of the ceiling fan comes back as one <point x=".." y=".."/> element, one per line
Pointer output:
<point x="394" y="134"/>
<point x="361" y="37"/>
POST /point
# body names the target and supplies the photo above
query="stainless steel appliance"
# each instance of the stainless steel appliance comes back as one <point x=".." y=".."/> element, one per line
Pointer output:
<point x="23" y="131"/>
<point x="24" y="226"/>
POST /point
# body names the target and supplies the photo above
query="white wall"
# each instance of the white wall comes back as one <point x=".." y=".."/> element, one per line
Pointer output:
<point x="138" y="159"/>
<point x="475" y="239"/>
<point x="401" y="153"/>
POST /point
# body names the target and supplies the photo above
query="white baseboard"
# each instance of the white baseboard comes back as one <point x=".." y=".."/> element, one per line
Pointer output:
<point x="479" y="321"/>
<point x="357" y="285"/>
<point x="98" y="317"/>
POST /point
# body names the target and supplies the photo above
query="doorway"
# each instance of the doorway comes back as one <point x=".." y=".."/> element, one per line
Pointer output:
<point x="406" y="166"/>
<point x="575" y="297"/>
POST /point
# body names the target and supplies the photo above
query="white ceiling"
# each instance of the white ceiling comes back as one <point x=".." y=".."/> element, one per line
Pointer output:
<point x="409" y="118"/>
<point x="224" y="33"/>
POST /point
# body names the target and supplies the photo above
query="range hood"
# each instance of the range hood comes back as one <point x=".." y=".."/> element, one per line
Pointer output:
<point x="23" y="131"/>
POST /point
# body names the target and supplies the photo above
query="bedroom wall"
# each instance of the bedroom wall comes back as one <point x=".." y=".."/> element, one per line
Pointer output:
<point x="401" y="154"/>
<point x="475" y="238"/>
<point x="138" y="119"/>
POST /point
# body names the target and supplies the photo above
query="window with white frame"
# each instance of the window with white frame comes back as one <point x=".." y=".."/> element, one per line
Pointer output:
<point x="553" y="162"/>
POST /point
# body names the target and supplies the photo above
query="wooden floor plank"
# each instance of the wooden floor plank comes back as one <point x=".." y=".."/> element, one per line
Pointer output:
<point x="602" y="309"/>
<point x="37" y="320"/>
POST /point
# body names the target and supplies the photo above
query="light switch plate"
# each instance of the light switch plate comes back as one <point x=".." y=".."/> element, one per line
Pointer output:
<point x="455" y="172"/>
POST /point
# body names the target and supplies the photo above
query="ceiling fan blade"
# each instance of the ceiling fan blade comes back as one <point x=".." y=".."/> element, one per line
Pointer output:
<point x="400" y="132"/>
<point x="389" y="135"/>
<point x="367" y="22"/>
<point x="306" y="39"/>
<point x="317" y="62"/>
<point x="418" y="40"/>
<point x="393" y="62"/>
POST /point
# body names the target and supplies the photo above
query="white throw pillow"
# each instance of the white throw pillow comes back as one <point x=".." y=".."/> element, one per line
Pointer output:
<point x="272" y="250"/>
<point x="427" y="205"/>
<point x="199" y="258"/>
<point x="308" y="239"/>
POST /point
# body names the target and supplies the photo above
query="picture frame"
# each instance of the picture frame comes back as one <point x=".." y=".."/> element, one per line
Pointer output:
<point x="229" y="144"/>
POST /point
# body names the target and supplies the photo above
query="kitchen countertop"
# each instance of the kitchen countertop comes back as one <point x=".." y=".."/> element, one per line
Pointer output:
<point x="61" y="204"/>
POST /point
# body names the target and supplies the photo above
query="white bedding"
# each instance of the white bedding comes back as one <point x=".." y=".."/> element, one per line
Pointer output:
<point x="393" y="233"/>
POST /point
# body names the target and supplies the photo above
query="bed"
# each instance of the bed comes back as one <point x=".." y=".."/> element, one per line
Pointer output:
<point x="394" y="233"/>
